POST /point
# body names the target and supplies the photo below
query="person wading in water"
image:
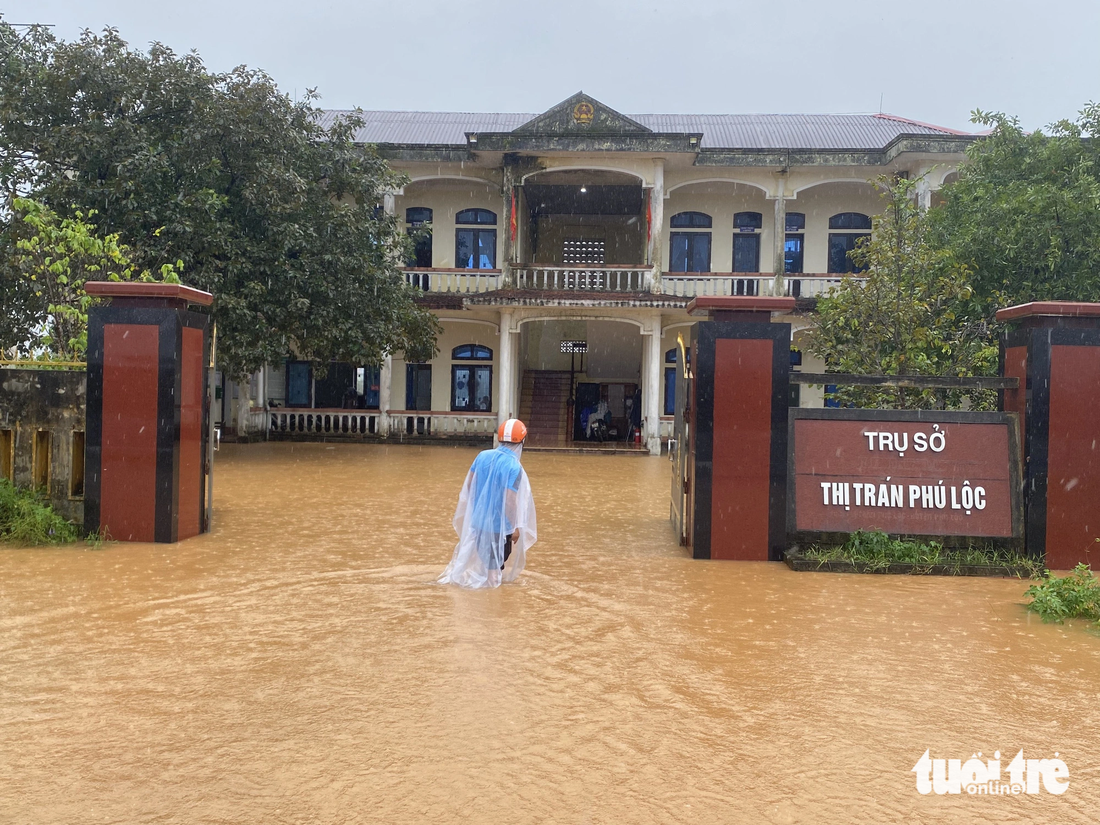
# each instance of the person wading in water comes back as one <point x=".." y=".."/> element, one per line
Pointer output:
<point x="495" y="517"/>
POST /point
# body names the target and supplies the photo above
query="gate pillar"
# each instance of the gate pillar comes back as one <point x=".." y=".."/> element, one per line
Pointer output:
<point x="1053" y="347"/>
<point x="740" y="363"/>
<point x="147" y="420"/>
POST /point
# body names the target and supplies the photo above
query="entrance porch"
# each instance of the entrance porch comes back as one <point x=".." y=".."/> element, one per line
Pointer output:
<point x="581" y="383"/>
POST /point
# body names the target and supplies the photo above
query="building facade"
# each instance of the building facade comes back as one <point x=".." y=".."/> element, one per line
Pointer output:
<point x="559" y="252"/>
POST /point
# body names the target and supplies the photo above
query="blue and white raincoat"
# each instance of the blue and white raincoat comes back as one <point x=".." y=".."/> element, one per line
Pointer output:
<point x="495" y="502"/>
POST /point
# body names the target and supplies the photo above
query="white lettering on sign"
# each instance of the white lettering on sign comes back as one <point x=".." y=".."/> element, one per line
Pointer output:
<point x="920" y="496"/>
<point x="899" y="442"/>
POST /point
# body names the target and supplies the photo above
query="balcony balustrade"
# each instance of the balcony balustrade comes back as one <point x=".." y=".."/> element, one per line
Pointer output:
<point x="314" y="422"/>
<point x="693" y="285"/>
<point x="594" y="279"/>
<point x="461" y="281"/>
<point x="411" y="423"/>
<point x="583" y="278"/>
<point x="400" y="424"/>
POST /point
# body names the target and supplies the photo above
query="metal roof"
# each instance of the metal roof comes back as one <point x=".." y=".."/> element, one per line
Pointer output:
<point x="809" y="132"/>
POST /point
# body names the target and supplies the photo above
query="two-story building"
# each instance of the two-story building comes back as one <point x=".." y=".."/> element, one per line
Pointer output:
<point x="559" y="251"/>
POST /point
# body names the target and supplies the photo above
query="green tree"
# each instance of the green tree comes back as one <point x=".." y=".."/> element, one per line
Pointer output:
<point x="43" y="274"/>
<point x="267" y="204"/>
<point x="1024" y="214"/>
<point x="913" y="312"/>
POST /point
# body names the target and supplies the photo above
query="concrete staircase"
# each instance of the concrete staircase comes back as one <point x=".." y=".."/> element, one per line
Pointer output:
<point x="543" y="407"/>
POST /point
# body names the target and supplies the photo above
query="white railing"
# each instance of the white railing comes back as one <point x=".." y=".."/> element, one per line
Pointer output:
<point x="583" y="278"/>
<point x="668" y="427"/>
<point x="727" y="284"/>
<point x="463" y="281"/>
<point x="323" y="422"/>
<point x="409" y="423"/>
<point x="254" y="420"/>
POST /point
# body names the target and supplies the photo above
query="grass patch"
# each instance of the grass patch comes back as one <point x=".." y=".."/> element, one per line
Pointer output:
<point x="877" y="551"/>
<point x="26" y="519"/>
<point x="1076" y="596"/>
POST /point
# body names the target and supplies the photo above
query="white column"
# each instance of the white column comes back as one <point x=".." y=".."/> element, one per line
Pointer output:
<point x="385" y="382"/>
<point x="924" y="193"/>
<point x="656" y="250"/>
<point x="651" y="388"/>
<point x="261" y="402"/>
<point x="507" y="364"/>
<point x="506" y="248"/>
<point x="779" y="237"/>
<point x="244" y="403"/>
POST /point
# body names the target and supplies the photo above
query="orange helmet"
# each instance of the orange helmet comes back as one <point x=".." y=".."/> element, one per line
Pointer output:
<point x="513" y="430"/>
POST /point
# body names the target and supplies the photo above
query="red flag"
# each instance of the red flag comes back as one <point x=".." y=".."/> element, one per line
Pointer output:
<point x="513" y="214"/>
<point x="649" y="218"/>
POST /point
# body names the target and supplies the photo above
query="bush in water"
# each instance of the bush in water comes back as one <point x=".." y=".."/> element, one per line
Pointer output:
<point x="1076" y="596"/>
<point x="26" y="519"/>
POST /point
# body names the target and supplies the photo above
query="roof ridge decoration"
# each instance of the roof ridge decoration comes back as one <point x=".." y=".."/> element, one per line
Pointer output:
<point x="581" y="114"/>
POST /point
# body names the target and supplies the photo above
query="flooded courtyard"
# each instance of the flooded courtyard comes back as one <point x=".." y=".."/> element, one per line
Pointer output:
<point x="299" y="665"/>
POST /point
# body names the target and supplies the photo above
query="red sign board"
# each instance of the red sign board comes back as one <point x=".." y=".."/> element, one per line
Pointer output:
<point x="911" y="473"/>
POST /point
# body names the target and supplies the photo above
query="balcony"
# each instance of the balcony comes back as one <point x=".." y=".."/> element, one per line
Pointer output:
<point x="573" y="278"/>
<point x="454" y="281"/>
<point x="696" y="284"/>
<point x="619" y="279"/>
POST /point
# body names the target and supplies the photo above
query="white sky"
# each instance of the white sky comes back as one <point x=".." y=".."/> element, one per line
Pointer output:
<point x="929" y="60"/>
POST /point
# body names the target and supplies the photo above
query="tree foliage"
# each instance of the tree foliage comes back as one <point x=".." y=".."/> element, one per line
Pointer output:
<point x="266" y="204"/>
<point x="912" y="313"/>
<point x="48" y="262"/>
<point x="1025" y="211"/>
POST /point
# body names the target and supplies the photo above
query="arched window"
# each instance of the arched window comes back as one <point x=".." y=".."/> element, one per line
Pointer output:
<point x="690" y="220"/>
<point x="849" y="220"/>
<point x="748" y="221"/>
<point x="671" y="356"/>
<point x="417" y="216"/>
<point x="689" y="251"/>
<point x="471" y="352"/>
<point x="476" y="248"/>
<point x="842" y="243"/>
<point x="480" y="216"/>
<point x="417" y="222"/>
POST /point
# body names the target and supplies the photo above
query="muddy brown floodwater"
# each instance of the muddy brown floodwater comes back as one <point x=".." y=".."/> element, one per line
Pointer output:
<point x="298" y="665"/>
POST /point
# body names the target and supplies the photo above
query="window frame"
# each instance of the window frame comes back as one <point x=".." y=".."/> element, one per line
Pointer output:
<point x="411" y="370"/>
<point x="473" y="367"/>
<point x="850" y="221"/>
<point x="744" y="236"/>
<point x="478" y="352"/>
<point x="794" y="222"/>
<point x="748" y="221"/>
<point x="422" y="246"/>
<point x="476" y="233"/>
<point x="691" y="220"/>
<point x="690" y="239"/>
<point x="309" y="384"/>
<point x="475" y="216"/>
<point x="788" y="264"/>
<point x="851" y="240"/>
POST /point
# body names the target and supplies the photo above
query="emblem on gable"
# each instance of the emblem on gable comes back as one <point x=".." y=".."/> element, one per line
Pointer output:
<point x="583" y="113"/>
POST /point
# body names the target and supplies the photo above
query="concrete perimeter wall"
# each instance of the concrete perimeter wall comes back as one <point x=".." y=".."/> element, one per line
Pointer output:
<point x="42" y="416"/>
